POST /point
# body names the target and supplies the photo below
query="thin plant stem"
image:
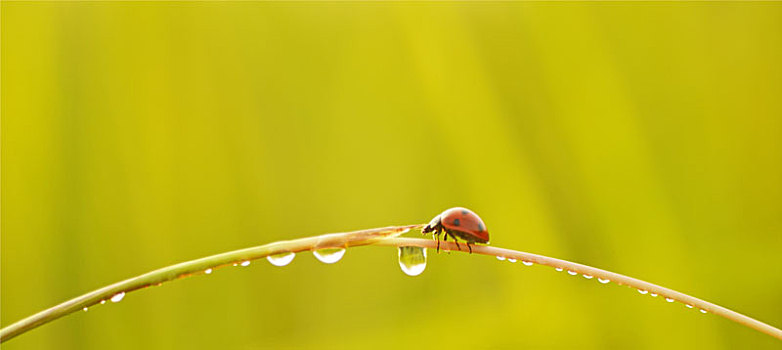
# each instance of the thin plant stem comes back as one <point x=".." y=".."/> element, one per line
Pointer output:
<point x="386" y="236"/>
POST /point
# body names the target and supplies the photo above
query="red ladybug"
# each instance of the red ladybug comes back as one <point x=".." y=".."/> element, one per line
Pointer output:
<point x="458" y="222"/>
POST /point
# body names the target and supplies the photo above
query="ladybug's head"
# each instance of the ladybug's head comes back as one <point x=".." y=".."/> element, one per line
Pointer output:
<point x="433" y="225"/>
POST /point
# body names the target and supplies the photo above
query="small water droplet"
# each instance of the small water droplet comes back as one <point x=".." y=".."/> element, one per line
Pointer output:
<point x="588" y="277"/>
<point x="412" y="260"/>
<point x="500" y="258"/>
<point x="603" y="280"/>
<point x="281" y="259"/>
<point x="688" y="306"/>
<point x="85" y="309"/>
<point x="245" y="263"/>
<point x="653" y="295"/>
<point x="643" y="291"/>
<point x="118" y="297"/>
<point x="527" y="263"/>
<point x="329" y="255"/>
<point x="670" y="300"/>
<point x="235" y="264"/>
<point x="208" y="271"/>
<point x="559" y="269"/>
<point x="702" y="311"/>
<point x="511" y="260"/>
<point x="102" y="302"/>
<point x="572" y="273"/>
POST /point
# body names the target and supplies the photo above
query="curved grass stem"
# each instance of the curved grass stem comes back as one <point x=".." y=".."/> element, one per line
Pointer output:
<point x="386" y="236"/>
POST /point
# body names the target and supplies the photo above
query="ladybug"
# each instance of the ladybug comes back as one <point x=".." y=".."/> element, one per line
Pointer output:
<point x="458" y="222"/>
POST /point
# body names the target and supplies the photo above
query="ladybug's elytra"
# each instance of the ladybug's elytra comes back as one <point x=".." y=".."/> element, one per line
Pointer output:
<point x="458" y="222"/>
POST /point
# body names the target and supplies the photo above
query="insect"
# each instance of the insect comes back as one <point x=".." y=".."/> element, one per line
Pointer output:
<point x="458" y="222"/>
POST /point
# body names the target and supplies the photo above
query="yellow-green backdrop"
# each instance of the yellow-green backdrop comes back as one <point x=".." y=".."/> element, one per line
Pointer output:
<point x="644" y="138"/>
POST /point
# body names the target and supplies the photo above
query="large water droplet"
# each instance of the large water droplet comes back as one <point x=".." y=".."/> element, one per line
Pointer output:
<point x="527" y="263"/>
<point x="412" y="260"/>
<point x="603" y="280"/>
<point x="670" y="300"/>
<point x="572" y="273"/>
<point x="329" y="255"/>
<point x="281" y="259"/>
<point x="208" y="271"/>
<point x="117" y="297"/>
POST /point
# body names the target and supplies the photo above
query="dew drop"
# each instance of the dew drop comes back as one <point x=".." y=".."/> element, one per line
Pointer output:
<point x="117" y="297"/>
<point x="559" y="269"/>
<point x="102" y="302"/>
<point x="688" y="306"/>
<point x="701" y="310"/>
<point x="281" y="259"/>
<point x="412" y="260"/>
<point x="500" y="258"/>
<point x="235" y="264"/>
<point x="643" y="291"/>
<point x="588" y="277"/>
<point x="527" y="263"/>
<point x="670" y="300"/>
<point x="511" y="260"/>
<point x="245" y="263"/>
<point x="85" y="309"/>
<point x="329" y="255"/>
<point x="653" y="295"/>
<point x="572" y="273"/>
<point x="208" y="271"/>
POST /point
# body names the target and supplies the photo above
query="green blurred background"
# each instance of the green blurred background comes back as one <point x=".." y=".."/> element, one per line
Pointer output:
<point x="642" y="138"/>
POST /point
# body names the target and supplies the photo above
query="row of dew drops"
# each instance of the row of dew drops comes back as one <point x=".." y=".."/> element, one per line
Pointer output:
<point x="601" y="280"/>
<point x="412" y="261"/>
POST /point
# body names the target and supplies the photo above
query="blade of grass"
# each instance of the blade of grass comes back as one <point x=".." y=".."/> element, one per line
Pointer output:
<point x="386" y="236"/>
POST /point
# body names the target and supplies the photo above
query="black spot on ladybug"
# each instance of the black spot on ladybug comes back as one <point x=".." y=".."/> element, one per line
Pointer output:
<point x="464" y="211"/>
<point x="480" y="226"/>
<point x="456" y="222"/>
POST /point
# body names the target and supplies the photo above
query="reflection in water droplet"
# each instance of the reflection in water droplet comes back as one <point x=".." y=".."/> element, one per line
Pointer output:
<point x="500" y="258"/>
<point x="281" y="259"/>
<point x="329" y="255"/>
<point x="118" y="297"/>
<point x="653" y="294"/>
<point x="588" y="277"/>
<point x="527" y="263"/>
<point x="688" y="306"/>
<point x="643" y="291"/>
<point x="559" y="269"/>
<point x="572" y="273"/>
<point x="412" y="260"/>
<point x="85" y="309"/>
<point x="102" y="302"/>
<point x="670" y="300"/>
<point x="603" y="280"/>
<point x="245" y="263"/>
<point x="701" y="310"/>
<point x="208" y="271"/>
<point x="511" y="260"/>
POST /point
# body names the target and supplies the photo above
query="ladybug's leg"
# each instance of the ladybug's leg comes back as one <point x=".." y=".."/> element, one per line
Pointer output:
<point x="457" y="242"/>
<point x="468" y="247"/>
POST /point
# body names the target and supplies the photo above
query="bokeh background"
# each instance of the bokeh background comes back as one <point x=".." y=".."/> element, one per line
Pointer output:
<point x="643" y="138"/>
